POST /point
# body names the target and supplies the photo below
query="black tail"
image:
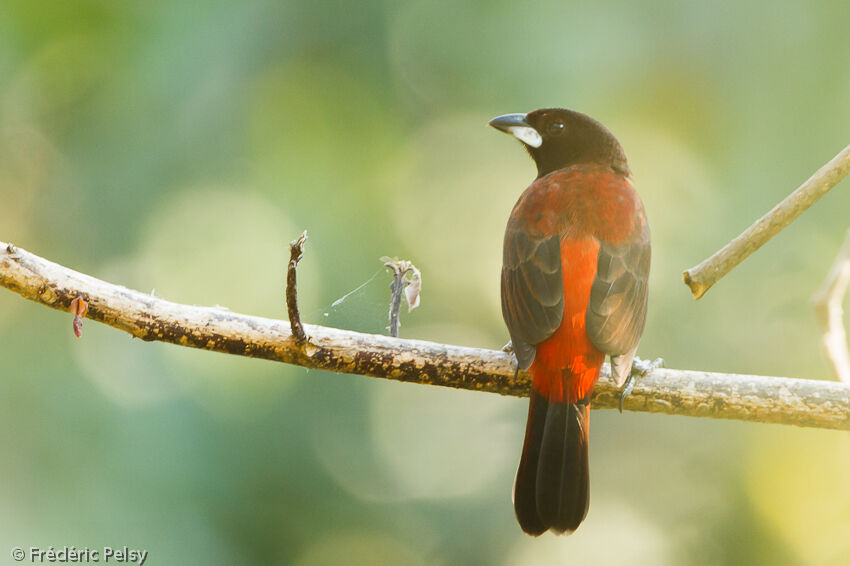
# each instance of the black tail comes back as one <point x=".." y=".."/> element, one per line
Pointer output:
<point x="552" y="487"/>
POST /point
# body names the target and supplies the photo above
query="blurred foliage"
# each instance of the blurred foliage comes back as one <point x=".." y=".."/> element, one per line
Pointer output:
<point x="178" y="148"/>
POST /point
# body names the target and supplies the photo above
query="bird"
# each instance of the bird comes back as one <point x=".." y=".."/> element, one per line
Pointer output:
<point x="575" y="269"/>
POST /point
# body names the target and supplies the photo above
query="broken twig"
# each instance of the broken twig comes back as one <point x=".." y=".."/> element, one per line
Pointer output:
<point x="296" y="250"/>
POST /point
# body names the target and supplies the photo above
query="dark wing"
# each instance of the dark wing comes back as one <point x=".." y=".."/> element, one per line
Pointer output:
<point x="532" y="290"/>
<point x="617" y="310"/>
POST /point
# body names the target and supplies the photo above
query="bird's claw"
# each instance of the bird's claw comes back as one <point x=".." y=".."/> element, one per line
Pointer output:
<point x="643" y="367"/>
<point x="508" y="348"/>
<point x="639" y="368"/>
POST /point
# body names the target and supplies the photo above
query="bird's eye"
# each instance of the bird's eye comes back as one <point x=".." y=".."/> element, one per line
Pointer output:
<point x="556" y="128"/>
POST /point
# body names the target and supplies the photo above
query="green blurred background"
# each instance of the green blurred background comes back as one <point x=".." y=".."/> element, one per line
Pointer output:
<point x="180" y="146"/>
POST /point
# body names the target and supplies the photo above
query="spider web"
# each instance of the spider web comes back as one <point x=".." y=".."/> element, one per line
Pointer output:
<point x="363" y="308"/>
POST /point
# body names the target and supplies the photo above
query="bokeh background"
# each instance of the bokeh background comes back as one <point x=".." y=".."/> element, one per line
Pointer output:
<point x="178" y="147"/>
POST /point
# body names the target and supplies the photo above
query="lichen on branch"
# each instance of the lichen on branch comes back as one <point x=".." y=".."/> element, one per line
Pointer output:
<point x="799" y="402"/>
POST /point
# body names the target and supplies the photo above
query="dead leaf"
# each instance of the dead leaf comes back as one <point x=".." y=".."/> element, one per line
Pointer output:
<point x="79" y="308"/>
<point x="413" y="288"/>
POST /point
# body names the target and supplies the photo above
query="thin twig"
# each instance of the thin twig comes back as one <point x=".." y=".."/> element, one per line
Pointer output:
<point x="296" y="250"/>
<point x="406" y="279"/>
<point x="701" y="277"/>
<point x="827" y="303"/>
<point x="396" y="289"/>
<point x="802" y="402"/>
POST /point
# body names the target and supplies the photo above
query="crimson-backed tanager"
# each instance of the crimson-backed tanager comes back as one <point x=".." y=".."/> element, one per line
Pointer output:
<point x="574" y="288"/>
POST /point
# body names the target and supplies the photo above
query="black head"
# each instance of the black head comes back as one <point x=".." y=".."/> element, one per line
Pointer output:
<point x="557" y="138"/>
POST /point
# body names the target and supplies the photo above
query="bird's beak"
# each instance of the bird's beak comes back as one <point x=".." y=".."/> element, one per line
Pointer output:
<point x="516" y="125"/>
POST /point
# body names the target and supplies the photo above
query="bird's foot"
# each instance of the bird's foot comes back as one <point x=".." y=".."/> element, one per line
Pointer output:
<point x="639" y="369"/>
<point x="509" y="349"/>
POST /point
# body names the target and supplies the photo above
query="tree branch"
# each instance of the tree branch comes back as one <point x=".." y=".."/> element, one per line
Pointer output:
<point x="680" y="392"/>
<point x="827" y="302"/>
<point x="701" y="277"/>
